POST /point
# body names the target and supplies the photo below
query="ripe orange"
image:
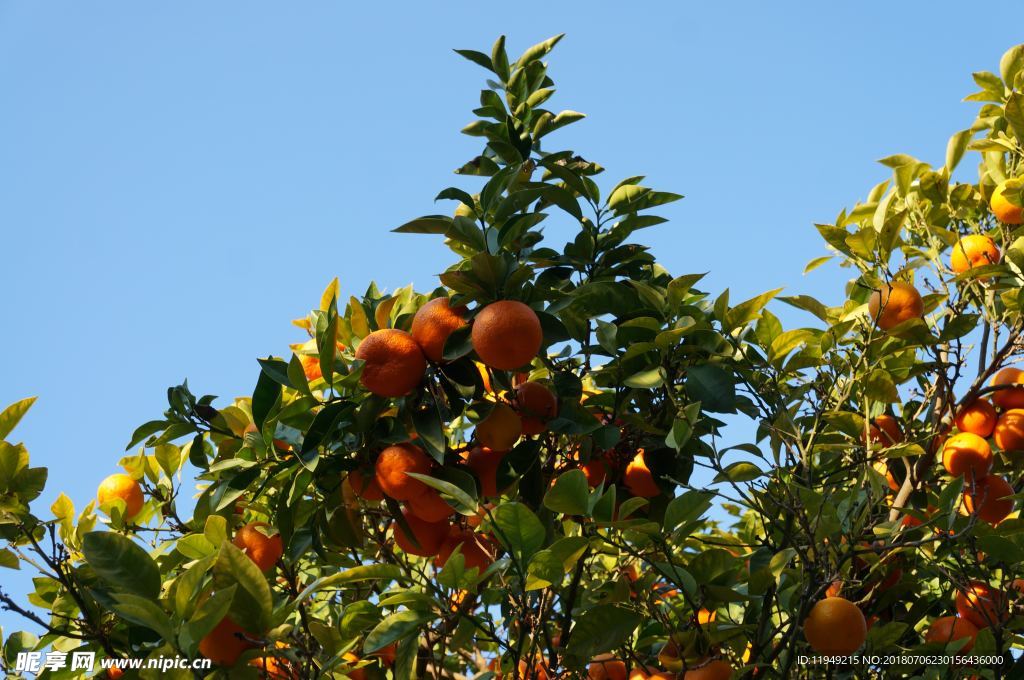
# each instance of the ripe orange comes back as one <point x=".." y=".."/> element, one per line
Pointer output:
<point x="596" y="470"/>
<point x="392" y="465"/>
<point x="1012" y="397"/>
<point x="539" y="671"/>
<point x="113" y="673"/>
<point x="484" y="463"/>
<point x="945" y="629"/>
<point x="429" y="535"/>
<point x="967" y="453"/>
<point x="641" y="674"/>
<point x="430" y="506"/>
<point x="638" y="477"/>
<point x="981" y="604"/>
<point x="275" y="667"/>
<point x="1006" y="212"/>
<point x="989" y="500"/>
<point x="536" y="405"/>
<point x="507" y="334"/>
<point x="311" y="366"/>
<point x="388" y="654"/>
<point x="886" y="431"/>
<point x="365" y="486"/>
<point x="719" y="669"/>
<point x="892" y="305"/>
<point x="121" y="486"/>
<point x="475" y="549"/>
<point x="706" y="616"/>
<point x="973" y="251"/>
<point x="433" y="323"/>
<point x="393" y="363"/>
<point x="835" y="627"/>
<point x="263" y="549"/>
<point x="978" y="417"/>
<point x="358" y="673"/>
<point x="607" y="667"/>
<point x="501" y="428"/>
<point x="225" y="643"/>
<point x="1009" y="430"/>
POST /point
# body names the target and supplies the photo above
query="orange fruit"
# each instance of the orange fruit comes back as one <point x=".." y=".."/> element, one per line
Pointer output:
<point x="433" y="323"/>
<point x="263" y="549"/>
<point x="882" y="468"/>
<point x="596" y="470"/>
<point x="886" y="431"/>
<point x="311" y="367"/>
<point x="393" y="363"/>
<point x="388" y="654"/>
<point x="113" y="673"/>
<point x="981" y="605"/>
<point x="275" y="667"/>
<point x="358" y="673"/>
<point x="500" y="430"/>
<point x="475" y="549"/>
<point x="893" y="304"/>
<point x="706" y="616"/>
<point x="719" y="669"/>
<point x="638" y="478"/>
<point x="1006" y="212"/>
<point x="224" y="644"/>
<point x="536" y="405"/>
<point x="507" y="334"/>
<point x="973" y="251"/>
<point x="121" y="486"/>
<point x="1008" y="433"/>
<point x="945" y="629"/>
<point x="365" y="486"/>
<point x="1012" y="397"/>
<point x="484" y="463"/>
<point x="967" y="453"/>
<point x="607" y="667"/>
<point x="392" y="467"/>
<point x="429" y="535"/>
<point x="978" y="417"/>
<point x="989" y="500"/>
<point x="835" y="627"/>
<point x="430" y="506"/>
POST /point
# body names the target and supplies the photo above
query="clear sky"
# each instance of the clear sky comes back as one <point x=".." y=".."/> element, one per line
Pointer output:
<point x="179" y="180"/>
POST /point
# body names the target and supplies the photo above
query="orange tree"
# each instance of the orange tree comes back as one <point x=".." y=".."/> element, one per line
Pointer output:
<point x="492" y="478"/>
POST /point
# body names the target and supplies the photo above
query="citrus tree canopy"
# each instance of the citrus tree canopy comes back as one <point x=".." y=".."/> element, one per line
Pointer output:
<point x="492" y="478"/>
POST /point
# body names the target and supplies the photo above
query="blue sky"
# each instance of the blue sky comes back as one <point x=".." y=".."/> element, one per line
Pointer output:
<point x="179" y="180"/>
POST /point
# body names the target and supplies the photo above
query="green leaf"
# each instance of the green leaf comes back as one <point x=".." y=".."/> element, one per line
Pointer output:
<point x="264" y="397"/>
<point x="518" y="529"/>
<point x="252" y="603"/>
<point x="738" y="472"/>
<point x="1011" y="63"/>
<point x="430" y="224"/>
<point x="569" y="494"/>
<point x="956" y="147"/>
<point x="747" y="311"/>
<point x="366" y="572"/>
<point x="143" y="431"/>
<point x="123" y="564"/>
<point x="323" y="424"/>
<point x="9" y="560"/>
<point x="459" y="498"/>
<point x="817" y="262"/>
<point x="211" y="612"/>
<point x="538" y="51"/>
<point x="12" y="415"/>
<point x="1014" y="110"/>
<point x="878" y="385"/>
<point x="688" y="507"/>
<point x="143" y="612"/>
<point x="713" y="387"/>
<point x="646" y="380"/>
<point x="394" y="628"/>
<point x="430" y="429"/>
<point x="599" y="629"/>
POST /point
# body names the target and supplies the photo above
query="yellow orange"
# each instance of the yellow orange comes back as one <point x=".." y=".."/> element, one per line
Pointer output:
<point x="946" y="629"/>
<point x="981" y="604"/>
<point x="507" y="334"/>
<point x="1008" y="433"/>
<point x="392" y="468"/>
<point x="121" y="486"/>
<point x="433" y="323"/>
<point x="501" y="428"/>
<point x="225" y="643"/>
<point x="393" y="363"/>
<point x="835" y="626"/>
<point x="979" y="417"/>
<point x="536" y="405"/>
<point x="989" y="499"/>
<point x="1006" y="212"/>
<point x="638" y="478"/>
<point x="260" y="543"/>
<point x="893" y="304"/>
<point x="967" y="453"/>
<point x="1011" y="397"/>
<point x="972" y="251"/>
